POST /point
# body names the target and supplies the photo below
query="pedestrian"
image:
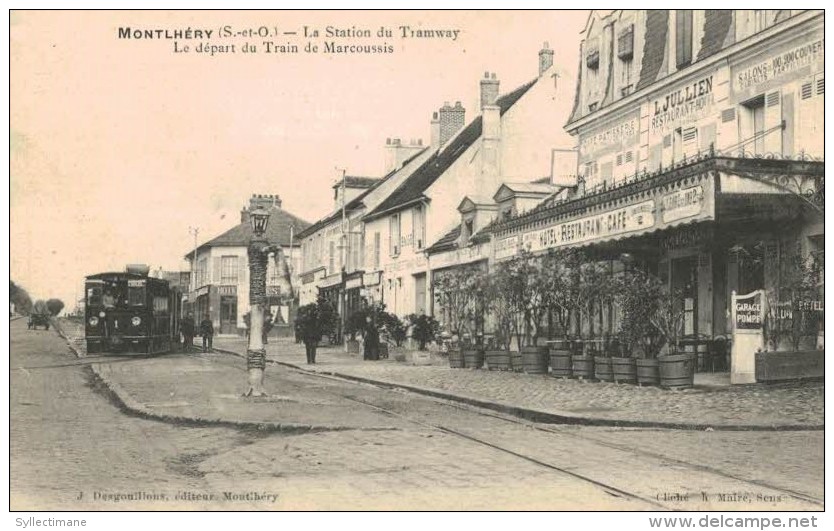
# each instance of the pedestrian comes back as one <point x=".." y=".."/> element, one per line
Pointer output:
<point x="207" y="331"/>
<point x="187" y="329"/>
<point x="267" y="326"/>
<point x="371" y="340"/>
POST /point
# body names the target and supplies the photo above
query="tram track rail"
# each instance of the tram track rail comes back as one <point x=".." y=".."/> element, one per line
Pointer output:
<point x="610" y="489"/>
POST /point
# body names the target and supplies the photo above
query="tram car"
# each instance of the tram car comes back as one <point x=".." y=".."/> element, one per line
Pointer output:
<point x="131" y="312"/>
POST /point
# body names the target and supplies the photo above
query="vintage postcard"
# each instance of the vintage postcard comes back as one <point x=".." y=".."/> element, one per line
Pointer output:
<point x="417" y="260"/>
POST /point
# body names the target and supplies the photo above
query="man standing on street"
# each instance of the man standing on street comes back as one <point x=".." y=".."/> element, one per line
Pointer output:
<point x="207" y="331"/>
<point x="187" y="328"/>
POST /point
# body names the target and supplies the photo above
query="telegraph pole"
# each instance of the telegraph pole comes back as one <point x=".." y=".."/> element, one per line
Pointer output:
<point x="194" y="231"/>
<point x="346" y="250"/>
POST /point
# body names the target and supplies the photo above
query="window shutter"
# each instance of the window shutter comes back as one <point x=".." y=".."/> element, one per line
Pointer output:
<point x="619" y="159"/>
<point x="683" y="37"/>
<point x="625" y="43"/>
<point x="820" y="85"/>
<point x="807" y="90"/>
<point x="728" y="115"/>
<point x="773" y="119"/>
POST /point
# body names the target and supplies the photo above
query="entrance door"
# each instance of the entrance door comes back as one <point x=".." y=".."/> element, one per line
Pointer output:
<point x="685" y="279"/>
<point x="228" y="315"/>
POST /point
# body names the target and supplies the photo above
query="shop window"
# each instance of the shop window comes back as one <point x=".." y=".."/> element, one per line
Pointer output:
<point x="683" y="37"/>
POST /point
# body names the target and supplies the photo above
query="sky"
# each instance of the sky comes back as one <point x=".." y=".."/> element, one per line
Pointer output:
<point x="118" y="146"/>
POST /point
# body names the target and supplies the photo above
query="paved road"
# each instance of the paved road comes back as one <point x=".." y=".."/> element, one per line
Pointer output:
<point x="68" y="440"/>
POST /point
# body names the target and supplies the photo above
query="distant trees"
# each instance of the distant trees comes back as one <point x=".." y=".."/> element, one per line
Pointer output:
<point x="20" y="297"/>
<point x="54" y="306"/>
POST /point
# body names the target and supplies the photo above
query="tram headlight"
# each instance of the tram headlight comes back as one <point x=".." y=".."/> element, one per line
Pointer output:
<point x="93" y="320"/>
<point x="136" y="321"/>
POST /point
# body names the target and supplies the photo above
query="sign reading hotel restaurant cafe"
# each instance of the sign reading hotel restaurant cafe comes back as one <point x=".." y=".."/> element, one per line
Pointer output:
<point x="608" y="224"/>
<point x="748" y="311"/>
<point x="683" y="105"/>
<point x="779" y="65"/>
<point x="458" y="256"/>
<point x="682" y="204"/>
<point x="507" y="247"/>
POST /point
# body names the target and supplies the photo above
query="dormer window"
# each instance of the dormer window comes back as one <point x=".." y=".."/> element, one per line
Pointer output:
<point x="683" y="37"/>
<point x="592" y="58"/>
<point x="467" y="229"/>
<point x="625" y="44"/>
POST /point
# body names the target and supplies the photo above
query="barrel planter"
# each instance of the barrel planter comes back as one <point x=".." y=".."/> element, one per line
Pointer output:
<point x="456" y="359"/>
<point x="560" y="362"/>
<point x="648" y="371"/>
<point x="583" y="367"/>
<point x="353" y="346"/>
<point x="677" y="371"/>
<point x="473" y="358"/>
<point x="602" y="369"/>
<point x="624" y="370"/>
<point x="517" y="362"/>
<point x="535" y="359"/>
<point x="498" y="360"/>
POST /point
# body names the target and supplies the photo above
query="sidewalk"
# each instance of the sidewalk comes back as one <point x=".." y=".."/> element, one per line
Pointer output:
<point x="710" y="404"/>
<point x="205" y="389"/>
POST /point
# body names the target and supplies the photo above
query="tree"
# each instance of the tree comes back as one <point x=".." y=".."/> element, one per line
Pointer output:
<point x="498" y="297"/>
<point x="20" y="297"/>
<point x="55" y="306"/>
<point x="638" y="295"/>
<point x="457" y="293"/>
<point x="424" y="329"/>
<point x="394" y="327"/>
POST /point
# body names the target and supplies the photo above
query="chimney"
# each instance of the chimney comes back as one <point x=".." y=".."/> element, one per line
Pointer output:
<point x="489" y="89"/>
<point x="244" y="215"/>
<point x="397" y="152"/>
<point x="545" y="58"/>
<point x="264" y="201"/>
<point x="452" y="120"/>
<point x="435" y="130"/>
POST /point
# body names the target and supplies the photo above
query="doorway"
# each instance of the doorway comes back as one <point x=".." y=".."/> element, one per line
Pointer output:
<point x="685" y="281"/>
<point x="228" y="315"/>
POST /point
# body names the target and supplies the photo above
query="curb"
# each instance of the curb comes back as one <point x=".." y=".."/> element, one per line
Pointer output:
<point x="129" y="405"/>
<point x="545" y="417"/>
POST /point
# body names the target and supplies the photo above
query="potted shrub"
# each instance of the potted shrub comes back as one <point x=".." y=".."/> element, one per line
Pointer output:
<point x="637" y="294"/>
<point x="677" y="370"/>
<point x="582" y="360"/>
<point x="497" y="300"/>
<point x="457" y="295"/>
<point x="527" y="287"/>
<point x="602" y="362"/>
<point x="562" y="284"/>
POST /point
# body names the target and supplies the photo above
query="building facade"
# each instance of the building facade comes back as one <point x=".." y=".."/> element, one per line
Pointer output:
<point x="511" y="139"/>
<point x="700" y="155"/>
<point x="220" y="266"/>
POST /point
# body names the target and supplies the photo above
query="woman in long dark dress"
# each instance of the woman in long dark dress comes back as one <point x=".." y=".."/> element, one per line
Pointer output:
<point x="371" y="340"/>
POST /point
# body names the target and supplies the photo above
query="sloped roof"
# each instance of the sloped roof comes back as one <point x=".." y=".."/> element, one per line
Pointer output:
<point x="532" y="188"/>
<point x="412" y="188"/>
<point x="277" y="232"/>
<point x="447" y="242"/>
<point x="357" y="202"/>
<point x="353" y="181"/>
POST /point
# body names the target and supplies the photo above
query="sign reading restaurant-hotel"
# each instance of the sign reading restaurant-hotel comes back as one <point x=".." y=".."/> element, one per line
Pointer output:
<point x="621" y="221"/>
<point x="682" y="106"/>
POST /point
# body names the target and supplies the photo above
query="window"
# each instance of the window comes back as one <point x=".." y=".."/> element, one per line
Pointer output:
<point x="136" y="296"/>
<point x="468" y="230"/>
<point x="376" y="250"/>
<point x="418" y="226"/>
<point x="228" y="270"/>
<point x="752" y="125"/>
<point x="202" y="271"/>
<point x="331" y="258"/>
<point x="683" y="37"/>
<point x="394" y="235"/>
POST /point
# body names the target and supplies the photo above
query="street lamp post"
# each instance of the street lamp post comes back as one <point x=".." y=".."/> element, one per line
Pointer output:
<point x="258" y="254"/>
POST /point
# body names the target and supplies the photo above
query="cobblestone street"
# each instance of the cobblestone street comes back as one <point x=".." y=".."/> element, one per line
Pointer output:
<point x="763" y="405"/>
<point x="69" y="438"/>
